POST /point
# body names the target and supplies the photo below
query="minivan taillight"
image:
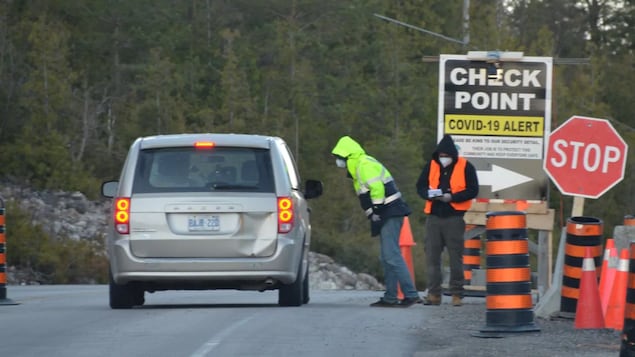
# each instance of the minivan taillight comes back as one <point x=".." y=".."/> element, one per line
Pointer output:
<point x="122" y="215"/>
<point x="285" y="214"/>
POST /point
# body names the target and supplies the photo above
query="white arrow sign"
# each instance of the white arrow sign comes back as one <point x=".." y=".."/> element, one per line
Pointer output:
<point x="500" y="178"/>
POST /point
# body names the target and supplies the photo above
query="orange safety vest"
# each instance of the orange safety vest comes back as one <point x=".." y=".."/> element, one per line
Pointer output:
<point x="457" y="183"/>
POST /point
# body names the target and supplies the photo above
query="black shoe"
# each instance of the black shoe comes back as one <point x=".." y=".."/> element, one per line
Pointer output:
<point x="384" y="303"/>
<point x="406" y="302"/>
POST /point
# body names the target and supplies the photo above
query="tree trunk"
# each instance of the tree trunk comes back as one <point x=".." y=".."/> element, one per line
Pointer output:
<point x="85" y="122"/>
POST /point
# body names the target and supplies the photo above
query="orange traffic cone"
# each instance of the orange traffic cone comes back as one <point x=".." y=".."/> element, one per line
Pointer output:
<point x="614" y="317"/>
<point x="607" y="251"/>
<point x="589" y="309"/>
<point x="607" y="276"/>
<point x="405" y="243"/>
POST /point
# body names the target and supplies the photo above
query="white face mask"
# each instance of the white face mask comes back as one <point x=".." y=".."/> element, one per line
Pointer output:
<point x="445" y="161"/>
<point x="340" y="163"/>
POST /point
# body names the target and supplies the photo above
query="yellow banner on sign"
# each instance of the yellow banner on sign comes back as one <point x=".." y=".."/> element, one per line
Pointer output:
<point x="494" y="125"/>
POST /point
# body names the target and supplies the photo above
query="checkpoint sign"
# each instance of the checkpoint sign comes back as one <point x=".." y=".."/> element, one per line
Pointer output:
<point x="499" y="115"/>
<point x="585" y="157"/>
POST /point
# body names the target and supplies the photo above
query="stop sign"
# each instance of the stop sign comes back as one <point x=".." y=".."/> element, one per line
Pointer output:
<point x="585" y="157"/>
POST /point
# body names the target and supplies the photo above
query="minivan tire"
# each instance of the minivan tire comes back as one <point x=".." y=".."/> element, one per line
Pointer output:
<point x="124" y="296"/>
<point x="292" y="294"/>
<point x="305" y="289"/>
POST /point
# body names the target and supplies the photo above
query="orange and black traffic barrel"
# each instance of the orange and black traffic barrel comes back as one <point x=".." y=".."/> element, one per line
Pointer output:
<point x="3" y="260"/>
<point x="3" y="256"/>
<point x="582" y="232"/>
<point x="471" y="257"/>
<point x="627" y="348"/>
<point x="508" y="301"/>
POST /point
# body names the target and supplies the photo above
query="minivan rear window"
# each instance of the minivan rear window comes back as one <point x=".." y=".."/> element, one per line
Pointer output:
<point x="188" y="169"/>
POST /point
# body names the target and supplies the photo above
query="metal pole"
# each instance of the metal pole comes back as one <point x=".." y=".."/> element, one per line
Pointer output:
<point x="466" y="23"/>
<point x="3" y="260"/>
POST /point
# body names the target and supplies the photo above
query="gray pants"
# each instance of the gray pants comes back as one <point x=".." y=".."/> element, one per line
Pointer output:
<point x="444" y="233"/>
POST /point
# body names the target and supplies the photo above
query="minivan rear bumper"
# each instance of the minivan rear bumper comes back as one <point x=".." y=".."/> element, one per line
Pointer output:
<point x="261" y="272"/>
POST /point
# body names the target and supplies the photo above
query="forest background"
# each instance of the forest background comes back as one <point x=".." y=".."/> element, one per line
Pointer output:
<point x="80" y="80"/>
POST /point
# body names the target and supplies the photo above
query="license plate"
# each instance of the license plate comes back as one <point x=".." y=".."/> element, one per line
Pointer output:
<point x="203" y="223"/>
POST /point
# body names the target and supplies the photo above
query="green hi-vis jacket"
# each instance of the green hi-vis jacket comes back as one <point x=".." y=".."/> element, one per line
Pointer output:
<point x="373" y="183"/>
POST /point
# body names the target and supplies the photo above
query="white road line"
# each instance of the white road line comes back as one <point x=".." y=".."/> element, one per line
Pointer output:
<point x="218" y="338"/>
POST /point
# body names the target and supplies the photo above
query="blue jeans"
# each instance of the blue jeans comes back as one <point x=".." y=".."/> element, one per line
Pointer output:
<point x="395" y="269"/>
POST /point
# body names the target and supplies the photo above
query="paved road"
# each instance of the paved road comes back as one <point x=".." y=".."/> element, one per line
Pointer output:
<point x="76" y="321"/>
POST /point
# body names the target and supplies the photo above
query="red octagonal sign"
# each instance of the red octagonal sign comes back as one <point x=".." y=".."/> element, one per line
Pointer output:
<point x="585" y="157"/>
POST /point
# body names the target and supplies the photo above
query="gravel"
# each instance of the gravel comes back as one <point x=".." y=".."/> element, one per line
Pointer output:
<point x="460" y="331"/>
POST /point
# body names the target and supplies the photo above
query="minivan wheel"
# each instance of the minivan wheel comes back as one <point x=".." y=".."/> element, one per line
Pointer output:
<point x="139" y="297"/>
<point x="305" y="288"/>
<point x="124" y="296"/>
<point x="292" y="294"/>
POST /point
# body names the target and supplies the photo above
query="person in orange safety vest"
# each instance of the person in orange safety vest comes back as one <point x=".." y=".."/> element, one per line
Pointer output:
<point x="447" y="183"/>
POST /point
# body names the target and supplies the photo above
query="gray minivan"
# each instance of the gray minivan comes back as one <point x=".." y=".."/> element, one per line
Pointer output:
<point x="209" y="211"/>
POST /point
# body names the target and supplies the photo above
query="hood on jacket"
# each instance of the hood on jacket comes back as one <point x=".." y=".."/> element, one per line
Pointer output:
<point x="347" y="147"/>
<point x="446" y="145"/>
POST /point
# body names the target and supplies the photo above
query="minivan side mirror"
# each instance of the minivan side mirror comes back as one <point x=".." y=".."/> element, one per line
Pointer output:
<point x="313" y="189"/>
<point x="109" y="188"/>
